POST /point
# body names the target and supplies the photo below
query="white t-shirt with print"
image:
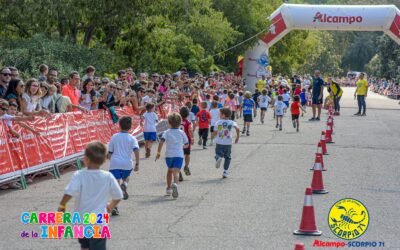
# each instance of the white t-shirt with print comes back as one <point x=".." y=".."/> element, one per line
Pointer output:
<point x="121" y="146"/>
<point x="224" y="131"/>
<point x="174" y="140"/>
<point x="214" y="113"/>
<point x="192" y="117"/>
<point x="279" y="107"/>
<point x="263" y="101"/>
<point x="286" y="97"/>
<point x="146" y="99"/>
<point x="92" y="189"/>
<point x="150" y="122"/>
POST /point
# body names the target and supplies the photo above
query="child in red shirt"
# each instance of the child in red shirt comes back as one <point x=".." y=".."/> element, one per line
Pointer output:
<point x="297" y="91"/>
<point x="295" y="110"/>
<point x="203" y="121"/>
<point x="187" y="127"/>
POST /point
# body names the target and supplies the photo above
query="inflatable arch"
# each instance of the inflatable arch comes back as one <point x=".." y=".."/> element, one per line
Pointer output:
<point x="290" y="17"/>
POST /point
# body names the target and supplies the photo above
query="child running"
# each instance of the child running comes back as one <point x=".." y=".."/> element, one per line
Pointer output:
<point x="150" y="130"/>
<point x="248" y="107"/>
<point x="303" y="100"/>
<point x="279" y="108"/>
<point x="120" y="154"/>
<point x="203" y="121"/>
<point x="175" y="140"/>
<point x="286" y="98"/>
<point x="91" y="188"/>
<point x="223" y="139"/>
<point x="214" y="113"/>
<point x="295" y="110"/>
<point x="187" y="127"/>
<point x="264" y="101"/>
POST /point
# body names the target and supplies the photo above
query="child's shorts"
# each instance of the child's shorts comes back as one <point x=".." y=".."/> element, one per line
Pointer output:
<point x="150" y="136"/>
<point x="263" y="109"/>
<point x="92" y="243"/>
<point x="248" y="118"/>
<point x="304" y="103"/>
<point x="186" y="151"/>
<point x="279" y="115"/>
<point x="174" y="162"/>
<point x="211" y="129"/>
<point x="295" y="117"/>
<point x="287" y="103"/>
<point x="120" y="173"/>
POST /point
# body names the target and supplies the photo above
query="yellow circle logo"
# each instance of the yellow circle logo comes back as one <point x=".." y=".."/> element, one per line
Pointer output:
<point x="348" y="219"/>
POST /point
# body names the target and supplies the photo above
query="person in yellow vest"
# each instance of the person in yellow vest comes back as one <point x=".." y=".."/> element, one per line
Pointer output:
<point x="337" y="93"/>
<point x="361" y="93"/>
<point x="261" y="83"/>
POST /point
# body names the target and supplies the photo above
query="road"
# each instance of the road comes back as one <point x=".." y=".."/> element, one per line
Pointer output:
<point x="260" y="204"/>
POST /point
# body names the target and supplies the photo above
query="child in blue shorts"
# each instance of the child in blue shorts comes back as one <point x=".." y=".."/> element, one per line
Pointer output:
<point x="150" y="130"/>
<point x="120" y="149"/>
<point x="175" y="140"/>
<point x="303" y="100"/>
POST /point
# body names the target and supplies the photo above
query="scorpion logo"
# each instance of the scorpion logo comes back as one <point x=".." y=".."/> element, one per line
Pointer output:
<point x="347" y="218"/>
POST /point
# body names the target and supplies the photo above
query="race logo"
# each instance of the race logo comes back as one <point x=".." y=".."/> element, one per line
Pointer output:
<point x="324" y="18"/>
<point x="348" y="219"/>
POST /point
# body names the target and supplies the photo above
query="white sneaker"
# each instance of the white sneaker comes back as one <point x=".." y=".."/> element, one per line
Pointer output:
<point x="169" y="191"/>
<point x="174" y="190"/>
<point x="218" y="162"/>
<point x="225" y="174"/>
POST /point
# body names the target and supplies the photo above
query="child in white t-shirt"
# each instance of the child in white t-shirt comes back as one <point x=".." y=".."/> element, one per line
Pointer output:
<point x="263" y="101"/>
<point x="150" y="130"/>
<point x="286" y="98"/>
<point x="92" y="187"/>
<point x="214" y="113"/>
<point x="120" y="150"/>
<point x="175" y="140"/>
<point x="280" y="108"/>
<point x="223" y="139"/>
<point x="8" y="114"/>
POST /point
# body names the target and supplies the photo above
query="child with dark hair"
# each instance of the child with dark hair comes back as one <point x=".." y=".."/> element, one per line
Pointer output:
<point x="92" y="188"/>
<point x="187" y="127"/>
<point x="150" y="131"/>
<point x="295" y="110"/>
<point x="175" y="140"/>
<point x="303" y="100"/>
<point x="280" y="108"/>
<point x="203" y="121"/>
<point x="120" y="149"/>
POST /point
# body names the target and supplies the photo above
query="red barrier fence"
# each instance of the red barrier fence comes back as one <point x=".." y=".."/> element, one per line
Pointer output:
<point x="62" y="136"/>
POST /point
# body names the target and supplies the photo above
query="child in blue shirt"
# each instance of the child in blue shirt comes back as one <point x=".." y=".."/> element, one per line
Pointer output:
<point x="248" y="107"/>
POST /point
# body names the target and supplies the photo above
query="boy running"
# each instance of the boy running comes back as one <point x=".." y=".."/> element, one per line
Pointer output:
<point x="150" y="130"/>
<point x="248" y="107"/>
<point x="223" y="139"/>
<point x="175" y="140"/>
<point x="303" y="100"/>
<point x="279" y="108"/>
<point x="187" y="127"/>
<point x="203" y="121"/>
<point x="295" y="110"/>
<point x="214" y="113"/>
<point x="120" y="150"/>
<point x="91" y="188"/>
<point x="264" y="101"/>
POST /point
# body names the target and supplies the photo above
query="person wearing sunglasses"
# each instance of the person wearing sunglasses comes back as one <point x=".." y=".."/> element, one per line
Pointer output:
<point x="5" y="77"/>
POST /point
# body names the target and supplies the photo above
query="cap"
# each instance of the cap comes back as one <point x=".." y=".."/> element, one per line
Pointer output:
<point x="105" y="80"/>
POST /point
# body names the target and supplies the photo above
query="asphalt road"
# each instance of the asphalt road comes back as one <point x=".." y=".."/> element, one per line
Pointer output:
<point x="260" y="204"/>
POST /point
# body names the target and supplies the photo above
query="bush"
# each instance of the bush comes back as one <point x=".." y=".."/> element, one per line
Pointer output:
<point x="28" y="54"/>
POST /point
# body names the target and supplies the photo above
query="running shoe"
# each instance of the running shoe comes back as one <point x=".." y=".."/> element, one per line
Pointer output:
<point x="218" y="162"/>
<point x="225" y="174"/>
<point x="277" y="125"/>
<point x="248" y="133"/>
<point x="200" y="141"/>
<point x="294" y="124"/>
<point x="168" y="191"/>
<point x="123" y="187"/>
<point x="180" y="176"/>
<point x="358" y="114"/>
<point x="174" y="190"/>
<point x="115" y="211"/>
<point x="364" y="114"/>
<point x="187" y="170"/>
<point x="317" y="119"/>
<point x="280" y="127"/>
<point x="312" y="119"/>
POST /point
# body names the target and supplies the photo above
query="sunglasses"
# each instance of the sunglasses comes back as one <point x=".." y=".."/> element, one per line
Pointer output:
<point x="6" y="74"/>
<point x="119" y="88"/>
<point x="4" y="109"/>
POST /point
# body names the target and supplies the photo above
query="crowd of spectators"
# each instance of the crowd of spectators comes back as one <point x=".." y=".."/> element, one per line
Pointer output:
<point x="386" y="87"/>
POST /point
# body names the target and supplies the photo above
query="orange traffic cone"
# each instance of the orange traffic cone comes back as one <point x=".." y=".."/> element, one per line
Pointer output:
<point x="328" y="135"/>
<point x="307" y="225"/>
<point x="322" y="143"/>
<point x="319" y="162"/>
<point x="317" y="183"/>
<point x="299" y="246"/>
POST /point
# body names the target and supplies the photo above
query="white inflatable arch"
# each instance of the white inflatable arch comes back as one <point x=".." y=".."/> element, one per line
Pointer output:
<point x="290" y="17"/>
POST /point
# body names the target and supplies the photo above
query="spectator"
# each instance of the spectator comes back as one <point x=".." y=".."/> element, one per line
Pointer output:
<point x="89" y="73"/>
<point x="62" y="104"/>
<point x="5" y="77"/>
<point x="44" y="70"/>
<point x="317" y="95"/>
<point x="108" y="98"/>
<point x="88" y="98"/>
<point x="14" y="91"/>
<point x="52" y="76"/>
<point x="121" y="75"/>
<point x="71" y="90"/>
<point x="30" y="104"/>
<point x="47" y="102"/>
<point x="130" y="76"/>
<point x="14" y="73"/>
